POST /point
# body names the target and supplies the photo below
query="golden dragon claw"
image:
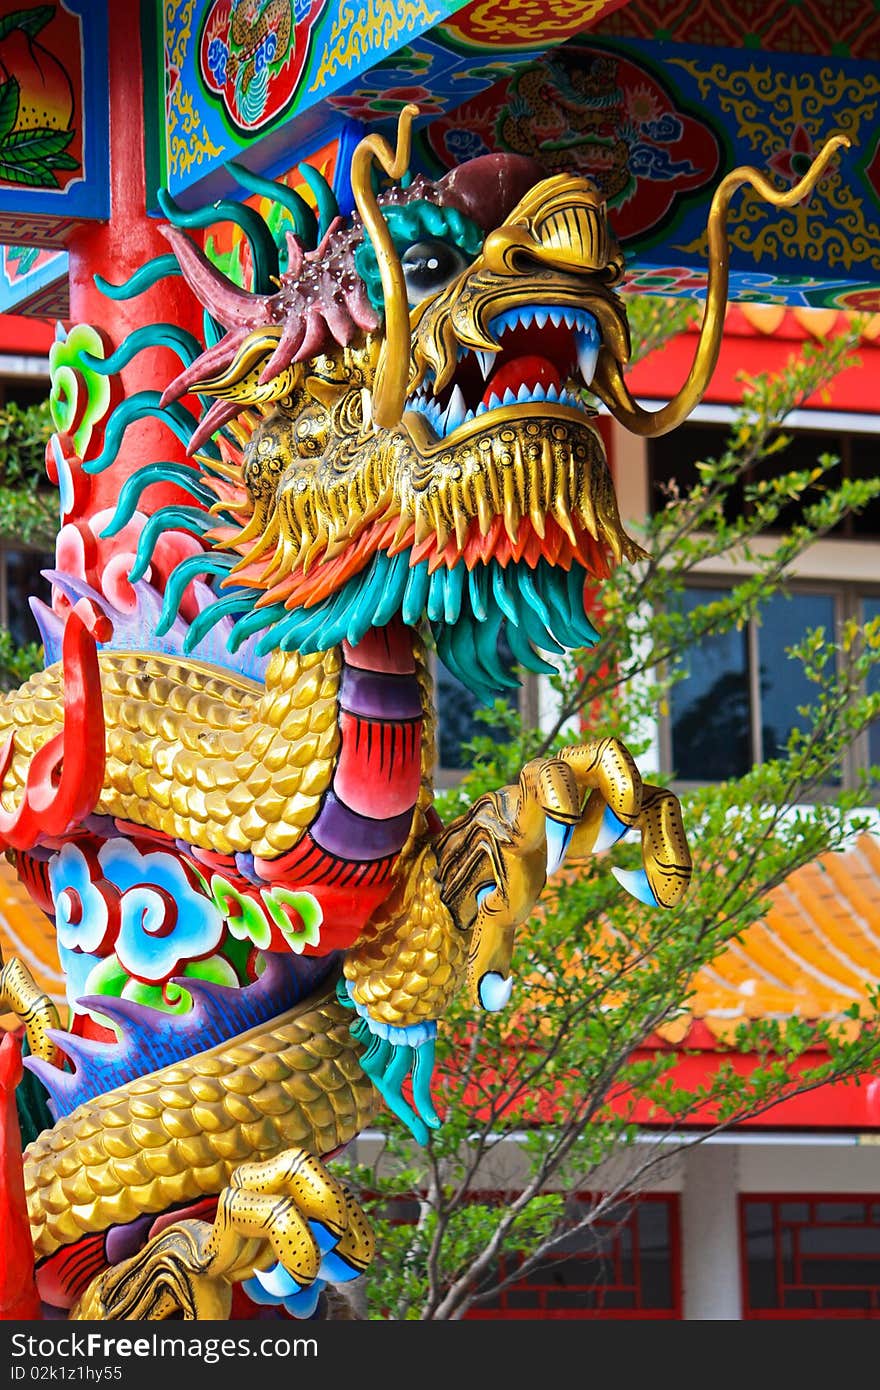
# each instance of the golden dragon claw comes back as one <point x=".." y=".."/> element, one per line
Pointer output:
<point x="494" y="861"/>
<point x="286" y="1219"/>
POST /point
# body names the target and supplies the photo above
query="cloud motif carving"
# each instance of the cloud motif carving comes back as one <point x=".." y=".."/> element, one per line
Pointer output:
<point x="164" y="921"/>
<point x="142" y="906"/>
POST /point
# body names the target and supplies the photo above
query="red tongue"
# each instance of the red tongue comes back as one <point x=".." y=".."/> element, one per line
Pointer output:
<point x="522" y="371"/>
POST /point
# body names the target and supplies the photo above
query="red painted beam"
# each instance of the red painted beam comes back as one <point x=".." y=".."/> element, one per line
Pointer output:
<point x="838" y="1105"/>
<point x="24" y="336"/>
<point x="660" y="375"/>
<point x="115" y="250"/>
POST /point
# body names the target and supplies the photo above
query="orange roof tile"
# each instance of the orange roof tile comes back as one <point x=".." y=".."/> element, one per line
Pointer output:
<point x="744" y="319"/>
<point x="814" y="954"/>
<point x="26" y="932"/>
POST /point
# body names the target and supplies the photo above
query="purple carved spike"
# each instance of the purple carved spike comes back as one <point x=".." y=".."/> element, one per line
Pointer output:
<point x="73" y="588"/>
<point x="151" y="1038"/>
<point x="122" y="1241"/>
<point x="60" y="1085"/>
<point x="111" y="1006"/>
<point x="204" y="595"/>
<point x="136" y="630"/>
<point x="103" y="826"/>
<point x="60" y="1037"/>
<point x="245" y="865"/>
<point x="51" y="629"/>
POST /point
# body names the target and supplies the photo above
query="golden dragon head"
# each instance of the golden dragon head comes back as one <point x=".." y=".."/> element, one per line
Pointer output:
<point x="411" y="405"/>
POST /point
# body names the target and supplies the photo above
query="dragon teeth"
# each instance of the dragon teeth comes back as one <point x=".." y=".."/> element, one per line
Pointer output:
<point x="485" y="360"/>
<point x="453" y="415"/>
<point x="587" y="355"/>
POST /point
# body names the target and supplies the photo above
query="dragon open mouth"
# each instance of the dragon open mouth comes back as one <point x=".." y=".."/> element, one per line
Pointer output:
<point x="546" y="356"/>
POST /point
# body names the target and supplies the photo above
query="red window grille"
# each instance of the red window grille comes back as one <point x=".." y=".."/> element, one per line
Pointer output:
<point x="815" y="1256"/>
<point x="627" y="1265"/>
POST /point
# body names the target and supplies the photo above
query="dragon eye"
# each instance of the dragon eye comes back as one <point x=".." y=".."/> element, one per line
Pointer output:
<point x="429" y="266"/>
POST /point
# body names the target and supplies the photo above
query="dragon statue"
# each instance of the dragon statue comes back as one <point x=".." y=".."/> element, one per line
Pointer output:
<point x="219" y="788"/>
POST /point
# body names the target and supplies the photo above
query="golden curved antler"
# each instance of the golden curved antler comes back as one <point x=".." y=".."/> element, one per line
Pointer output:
<point x="608" y="382"/>
<point x="392" y="372"/>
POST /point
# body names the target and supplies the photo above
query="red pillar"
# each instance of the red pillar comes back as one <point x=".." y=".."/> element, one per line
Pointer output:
<point x="116" y="249"/>
<point x="18" y="1290"/>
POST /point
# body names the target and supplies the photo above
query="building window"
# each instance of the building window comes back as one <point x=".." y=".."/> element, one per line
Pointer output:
<point x="20" y="580"/>
<point x="626" y="1266"/>
<point x="672" y="461"/>
<point x="457" y="717"/>
<point x="810" y="1256"/>
<point x="740" y="698"/>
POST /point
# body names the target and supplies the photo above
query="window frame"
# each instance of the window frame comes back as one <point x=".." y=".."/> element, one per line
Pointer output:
<point x="672" y="1202"/>
<point x="846" y="595"/>
<point x="780" y="1314"/>
<point x="9" y="545"/>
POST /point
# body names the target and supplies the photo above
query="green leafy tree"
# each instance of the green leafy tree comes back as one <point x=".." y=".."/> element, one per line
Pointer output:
<point x="561" y="1075"/>
<point x="28" y="512"/>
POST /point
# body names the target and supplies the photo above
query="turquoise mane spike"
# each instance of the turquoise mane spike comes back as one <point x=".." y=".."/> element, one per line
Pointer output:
<point x="184" y="571"/>
<point x="302" y="630"/>
<point x="140" y="406"/>
<point x="264" y="252"/>
<point x="454" y="590"/>
<point x="530" y="593"/>
<point x="539" y="636"/>
<point x="186" y="345"/>
<point x="415" y="593"/>
<point x="209" y="617"/>
<point x="524" y="652"/>
<point x="486" y="636"/>
<point x="395" y="587"/>
<point x="575" y="591"/>
<point x="180" y="474"/>
<point x="159" y="268"/>
<point x="166" y="519"/>
<point x="328" y="208"/>
<point x="254" y="622"/>
<point x="358" y="614"/>
<point x="478" y="586"/>
<point x="551" y="585"/>
<point x="304" y="221"/>
<point x="436" y="596"/>
<point x="211" y="329"/>
<point x="502" y="597"/>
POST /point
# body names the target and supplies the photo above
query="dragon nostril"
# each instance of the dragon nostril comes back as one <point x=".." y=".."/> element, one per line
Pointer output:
<point x="511" y="251"/>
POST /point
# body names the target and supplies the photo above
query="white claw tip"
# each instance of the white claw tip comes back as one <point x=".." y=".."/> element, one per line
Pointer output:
<point x="495" y="991"/>
<point x="635" y="882"/>
<point x="558" y="840"/>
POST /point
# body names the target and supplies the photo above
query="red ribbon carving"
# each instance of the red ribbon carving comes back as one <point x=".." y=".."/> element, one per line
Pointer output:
<point x="66" y="775"/>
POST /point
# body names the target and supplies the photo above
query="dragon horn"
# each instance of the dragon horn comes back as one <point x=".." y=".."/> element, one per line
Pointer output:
<point x="608" y="381"/>
<point x="226" y="302"/>
<point x="392" y="371"/>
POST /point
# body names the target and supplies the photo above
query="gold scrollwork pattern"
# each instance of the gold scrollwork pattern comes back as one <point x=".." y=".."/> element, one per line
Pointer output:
<point x="832" y="100"/>
<point x="187" y="141"/>
<point x="527" y="21"/>
<point x="361" y="29"/>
